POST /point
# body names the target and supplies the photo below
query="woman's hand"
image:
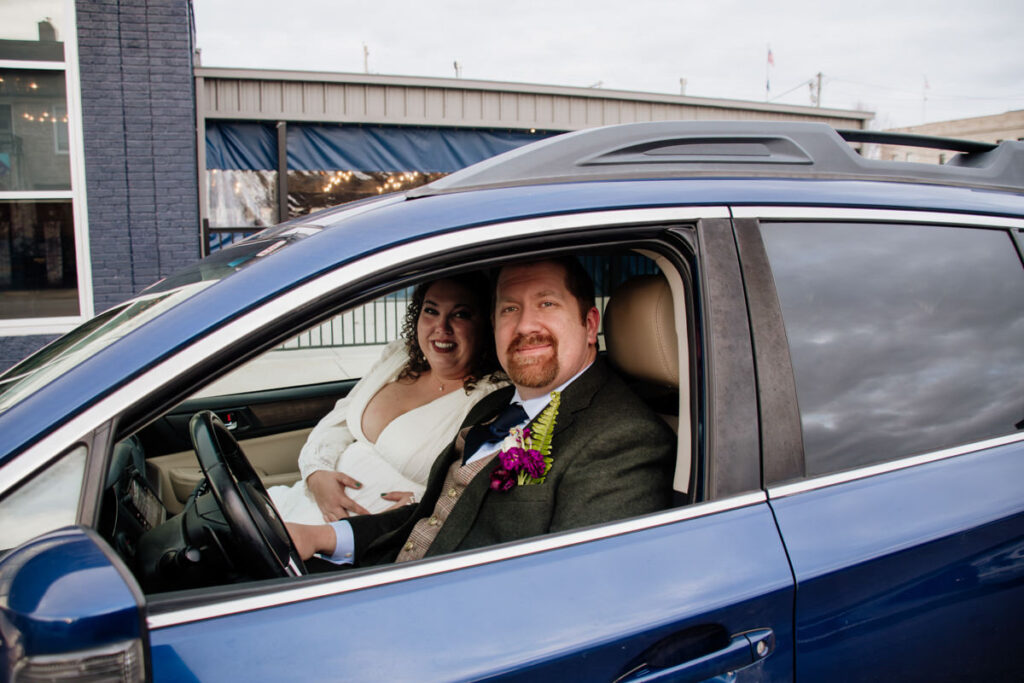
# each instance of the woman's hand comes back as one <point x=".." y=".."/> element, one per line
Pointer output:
<point x="401" y="498"/>
<point x="328" y="489"/>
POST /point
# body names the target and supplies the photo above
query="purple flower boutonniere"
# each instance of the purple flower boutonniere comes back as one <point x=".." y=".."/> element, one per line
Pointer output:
<point x="525" y="454"/>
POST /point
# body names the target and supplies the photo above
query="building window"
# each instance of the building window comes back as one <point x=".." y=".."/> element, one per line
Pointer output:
<point x="42" y="268"/>
<point x="32" y="128"/>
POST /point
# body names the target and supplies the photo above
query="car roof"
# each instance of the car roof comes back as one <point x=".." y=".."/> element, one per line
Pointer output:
<point x="780" y="149"/>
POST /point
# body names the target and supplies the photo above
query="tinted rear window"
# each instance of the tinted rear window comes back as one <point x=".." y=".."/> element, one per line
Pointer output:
<point x="905" y="339"/>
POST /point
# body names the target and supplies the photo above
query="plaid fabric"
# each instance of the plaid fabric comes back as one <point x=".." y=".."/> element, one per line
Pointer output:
<point x="426" y="530"/>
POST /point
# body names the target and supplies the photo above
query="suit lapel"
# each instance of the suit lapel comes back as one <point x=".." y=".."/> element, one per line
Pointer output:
<point x="575" y="398"/>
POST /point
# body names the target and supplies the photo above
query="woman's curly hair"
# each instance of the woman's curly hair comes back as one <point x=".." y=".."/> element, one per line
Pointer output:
<point x="485" y="360"/>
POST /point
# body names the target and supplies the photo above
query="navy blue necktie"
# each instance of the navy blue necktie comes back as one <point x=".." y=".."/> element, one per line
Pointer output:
<point x="493" y="432"/>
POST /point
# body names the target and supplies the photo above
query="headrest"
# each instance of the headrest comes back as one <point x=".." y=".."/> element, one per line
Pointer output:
<point x="640" y="330"/>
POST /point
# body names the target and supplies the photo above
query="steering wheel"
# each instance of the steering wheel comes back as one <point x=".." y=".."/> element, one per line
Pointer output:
<point x="243" y="499"/>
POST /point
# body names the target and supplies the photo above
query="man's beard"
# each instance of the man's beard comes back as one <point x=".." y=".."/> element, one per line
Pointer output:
<point x="534" y="371"/>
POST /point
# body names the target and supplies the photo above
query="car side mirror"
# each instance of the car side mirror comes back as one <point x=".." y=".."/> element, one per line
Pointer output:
<point x="69" y="608"/>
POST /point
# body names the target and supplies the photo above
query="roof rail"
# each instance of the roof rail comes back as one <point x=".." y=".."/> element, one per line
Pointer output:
<point x="912" y="140"/>
<point x="681" y="149"/>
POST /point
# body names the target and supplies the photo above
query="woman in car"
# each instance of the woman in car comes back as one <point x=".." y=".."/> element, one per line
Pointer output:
<point x="375" y="449"/>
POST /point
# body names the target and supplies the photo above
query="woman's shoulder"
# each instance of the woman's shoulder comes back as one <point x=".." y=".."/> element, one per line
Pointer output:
<point x="392" y="359"/>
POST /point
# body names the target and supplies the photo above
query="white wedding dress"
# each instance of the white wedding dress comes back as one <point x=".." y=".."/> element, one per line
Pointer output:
<point x="400" y="460"/>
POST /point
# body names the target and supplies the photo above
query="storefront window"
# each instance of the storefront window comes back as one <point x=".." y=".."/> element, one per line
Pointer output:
<point x="38" y="276"/>
<point x="39" y="269"/>
<point x="33" y="131"/>
<point x="310" y="191"/>
<point x="241" y="198"/>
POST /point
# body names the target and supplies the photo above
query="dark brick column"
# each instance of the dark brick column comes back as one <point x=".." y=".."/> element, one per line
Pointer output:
<point x="138" y="121"/>
<point x="138" y="117"/>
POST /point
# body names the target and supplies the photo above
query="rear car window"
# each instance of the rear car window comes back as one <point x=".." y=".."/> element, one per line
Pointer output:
<point x="905" y="339"/>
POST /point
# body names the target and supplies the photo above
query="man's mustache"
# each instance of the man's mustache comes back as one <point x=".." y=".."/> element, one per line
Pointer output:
<point x="521" y="340"/>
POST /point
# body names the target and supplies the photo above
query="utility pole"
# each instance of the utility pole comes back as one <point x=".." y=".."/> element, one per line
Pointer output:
<point x="366" y="59"/>
<point x="458" y="69"/>
<point x="817" y="102"/>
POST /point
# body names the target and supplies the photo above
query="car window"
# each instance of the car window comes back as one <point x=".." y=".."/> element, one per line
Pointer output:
<point x="344" y="347"/>
<point x="905" y="339"/>
<point x="269" y="406"/>
<point x="46" y="502"/>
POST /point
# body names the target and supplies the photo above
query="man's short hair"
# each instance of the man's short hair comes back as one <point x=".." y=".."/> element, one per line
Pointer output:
<point x="578" y="282"/>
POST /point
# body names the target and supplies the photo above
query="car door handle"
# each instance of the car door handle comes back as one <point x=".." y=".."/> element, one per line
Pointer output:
<point x="743" y="650"/>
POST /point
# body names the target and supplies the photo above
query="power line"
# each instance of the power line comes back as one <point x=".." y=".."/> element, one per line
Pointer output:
<point x="795" y="87"/>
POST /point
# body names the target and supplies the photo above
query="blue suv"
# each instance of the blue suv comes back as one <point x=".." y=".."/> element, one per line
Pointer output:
<point x="841" y="350"/>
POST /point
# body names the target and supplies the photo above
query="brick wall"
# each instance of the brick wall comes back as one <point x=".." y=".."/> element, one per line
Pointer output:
<point x="138" y="120"/>
<point x="138" y="114"/>
<point x="15" y="349"/>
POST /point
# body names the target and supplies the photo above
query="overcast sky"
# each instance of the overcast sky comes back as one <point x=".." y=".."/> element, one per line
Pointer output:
<point x="908" y="61"/>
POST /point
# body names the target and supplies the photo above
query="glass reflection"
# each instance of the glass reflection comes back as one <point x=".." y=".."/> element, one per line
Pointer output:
<point x="32" y="30"/>
<point x="33" y="131"/>
<point x="38" y="270"/>
<point x="904" y="339"/>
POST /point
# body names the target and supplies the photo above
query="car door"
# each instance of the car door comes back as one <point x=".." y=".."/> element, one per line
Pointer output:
<point x="688" y="593"/>
<point x="902" y="512"/>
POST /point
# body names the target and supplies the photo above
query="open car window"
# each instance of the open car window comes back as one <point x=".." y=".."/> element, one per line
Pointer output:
<point x="343" y="347"/>
<point x="272" y="403"/>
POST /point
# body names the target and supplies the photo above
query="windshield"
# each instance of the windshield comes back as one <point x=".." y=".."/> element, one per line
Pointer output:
<point x="109" y="326"/>
<point x="87" y="340"/>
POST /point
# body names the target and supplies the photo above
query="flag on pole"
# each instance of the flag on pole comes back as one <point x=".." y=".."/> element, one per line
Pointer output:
<point x="771" y="59"/>
<point x="767" y="73"/>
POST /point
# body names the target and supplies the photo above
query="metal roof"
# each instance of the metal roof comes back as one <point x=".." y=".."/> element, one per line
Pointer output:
<point x="267" y="95"/>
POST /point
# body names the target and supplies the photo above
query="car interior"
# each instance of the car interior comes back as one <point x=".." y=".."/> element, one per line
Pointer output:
<point x="179" y="489"/>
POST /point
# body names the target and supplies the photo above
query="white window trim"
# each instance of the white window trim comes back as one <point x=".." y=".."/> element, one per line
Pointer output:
<point x="16" y="327"/>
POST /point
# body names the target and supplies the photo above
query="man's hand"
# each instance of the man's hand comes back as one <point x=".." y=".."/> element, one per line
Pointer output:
<point x="328" y="489"/>
<point x="310" y="539"/>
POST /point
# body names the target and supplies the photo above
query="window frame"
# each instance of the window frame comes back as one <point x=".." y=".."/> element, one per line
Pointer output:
<point x="655" y="237"/>
<point x="76" y="194"/>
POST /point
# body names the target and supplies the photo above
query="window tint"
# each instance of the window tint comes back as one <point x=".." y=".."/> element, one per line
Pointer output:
<point x="904" y="339"/>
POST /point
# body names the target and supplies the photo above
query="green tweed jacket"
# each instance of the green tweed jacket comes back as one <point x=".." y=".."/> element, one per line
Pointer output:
<point x="612" y="459"/>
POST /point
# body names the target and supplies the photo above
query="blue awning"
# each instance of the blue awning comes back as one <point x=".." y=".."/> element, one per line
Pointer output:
<point x="241" y="146"/>
<point x="320" y="147"/>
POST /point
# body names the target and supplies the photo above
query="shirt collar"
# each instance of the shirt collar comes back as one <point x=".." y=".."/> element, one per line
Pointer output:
<point x="533" y="406"/>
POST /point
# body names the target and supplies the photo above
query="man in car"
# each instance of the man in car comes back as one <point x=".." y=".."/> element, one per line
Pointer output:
<point x="568" y="445"/>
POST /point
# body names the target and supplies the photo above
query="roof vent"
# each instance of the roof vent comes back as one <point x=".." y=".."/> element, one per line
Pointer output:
<point x="711" y="149"/>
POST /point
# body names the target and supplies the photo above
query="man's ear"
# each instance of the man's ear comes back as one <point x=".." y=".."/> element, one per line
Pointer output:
<point x="592" y="323"/>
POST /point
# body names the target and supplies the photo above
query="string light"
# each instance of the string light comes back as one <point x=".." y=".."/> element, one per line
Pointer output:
<point x="387" y="182"/>
<point x="337" y="178"/>
<point x="45" y="117"/>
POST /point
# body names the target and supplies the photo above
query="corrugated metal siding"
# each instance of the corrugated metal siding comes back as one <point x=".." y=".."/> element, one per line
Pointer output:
<point x="346" y="98"/>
